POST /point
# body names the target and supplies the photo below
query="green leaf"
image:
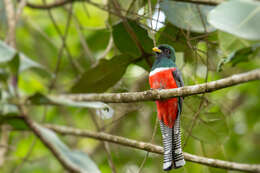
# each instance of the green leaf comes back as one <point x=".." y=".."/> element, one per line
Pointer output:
<point x="230" y="43"/>
<point x="14" y="64"/>
<point x="17" y="61"/>
<point x="6" y="53"/>
<point x="142" y="63"/>
<point x="126" y="44"/>
<point x="76" y="159"/>
<point x="103" y="110"/>
<point x="40" y="99"/>
<point x="15" y="121"/>
<point x="103" y="76"/>
<point x="100" y="38"/>
<point x="173" y="36"/>
<point x="3" y="75"/>
<point x="241" y="55"/>
<point x="187" y="16"/>
<point x="10" y="115"/>
<point x="240" y="18"/>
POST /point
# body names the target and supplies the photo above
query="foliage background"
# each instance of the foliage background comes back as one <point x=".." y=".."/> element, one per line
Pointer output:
<point x="100" y="56"/>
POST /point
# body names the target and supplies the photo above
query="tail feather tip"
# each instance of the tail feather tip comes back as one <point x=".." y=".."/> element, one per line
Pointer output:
<point x="167" y="166"/>
<point x="179" y="163"/>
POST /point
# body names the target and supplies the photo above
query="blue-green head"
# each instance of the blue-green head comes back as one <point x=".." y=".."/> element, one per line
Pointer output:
<point x="165" y="56"/>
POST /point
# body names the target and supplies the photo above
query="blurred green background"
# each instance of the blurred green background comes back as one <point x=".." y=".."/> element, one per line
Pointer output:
<point x="98" y="55"/>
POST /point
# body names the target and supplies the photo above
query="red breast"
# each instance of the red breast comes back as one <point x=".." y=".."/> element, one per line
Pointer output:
<point x="162" y="78"/>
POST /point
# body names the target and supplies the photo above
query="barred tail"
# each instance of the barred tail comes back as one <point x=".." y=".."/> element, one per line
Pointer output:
<point x="178" y="158"/>
<point x="173" y="156"/>
<point x="167" y="136"/>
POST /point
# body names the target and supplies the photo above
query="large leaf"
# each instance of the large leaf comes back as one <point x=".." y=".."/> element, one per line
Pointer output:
<point x="100" y="38"/>
<point x="241" y="55"/>
<point x="229" y="43"/>
<point x="187" y="16"/>
<point x="173" y="36"/>
<point x="18" y="61"/>
<point x="126" y="44"/>
<point x="76" y="159"/>
<point x="240" y="18"/>
<point x="103" y="110"/>
<point x="142" y="63"/>
<point x="103" y="76"/>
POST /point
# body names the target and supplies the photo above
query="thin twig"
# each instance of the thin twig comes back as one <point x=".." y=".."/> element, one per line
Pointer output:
<point x="52" y="84"/>
<point x="151" y="21"/>
<point x="193" y="122"/>
<point x="196" y="116"/>
<point x="63" y="39"/>
<point x="130" y="31"/>
<point x="108" y="48"/>
<point x="19" y="10"/>
<point x="83" y="42"/>
<point x="105" y="144"/>
<point x="26" y="157"/>
<point x="74" y="64"/>
<point x="157" y="20"/>
<point x="130" y="7"/>
<point x="151" y="141"/>
<point x="127" y="26"/>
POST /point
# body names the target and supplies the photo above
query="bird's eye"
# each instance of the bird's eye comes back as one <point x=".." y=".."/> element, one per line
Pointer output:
<point x="167" y="51"/>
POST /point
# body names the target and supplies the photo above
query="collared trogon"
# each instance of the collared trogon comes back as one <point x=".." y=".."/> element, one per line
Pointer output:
<point x="165" y="75"/>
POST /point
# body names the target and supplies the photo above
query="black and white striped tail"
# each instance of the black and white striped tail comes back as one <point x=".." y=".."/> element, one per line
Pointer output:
<point x="173" y="156"/>
<point x="178" y="158"/>
<point x="167" y="146"/>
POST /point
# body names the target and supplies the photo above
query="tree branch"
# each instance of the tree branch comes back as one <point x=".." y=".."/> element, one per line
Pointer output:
<point x="167" y="93"/>
<point x="153" y="148"/>
<point x="11" y="16"/>
<point x="10" y="40"/>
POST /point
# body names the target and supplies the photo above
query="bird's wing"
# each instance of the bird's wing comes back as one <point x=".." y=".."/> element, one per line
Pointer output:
<point x="178" y="77"/>
<point x="179" y="81"/>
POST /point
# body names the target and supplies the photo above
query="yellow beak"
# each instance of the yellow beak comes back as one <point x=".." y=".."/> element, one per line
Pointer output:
<point x="156" y="49"/>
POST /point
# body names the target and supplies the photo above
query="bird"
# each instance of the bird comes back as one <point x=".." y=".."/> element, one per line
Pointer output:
<point x="165" y="75"/>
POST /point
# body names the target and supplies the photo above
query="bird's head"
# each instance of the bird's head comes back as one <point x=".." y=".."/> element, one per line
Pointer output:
<point x="165" y="51"/>
<point x="165" y="56"/>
